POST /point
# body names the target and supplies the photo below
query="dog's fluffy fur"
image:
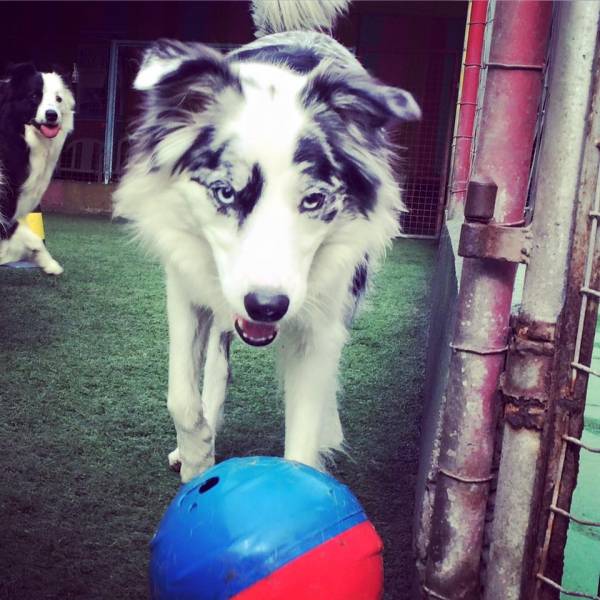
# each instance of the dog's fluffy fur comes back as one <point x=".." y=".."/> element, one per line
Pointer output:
<point x="262" y="180"/>
<point x="36" y="115"/>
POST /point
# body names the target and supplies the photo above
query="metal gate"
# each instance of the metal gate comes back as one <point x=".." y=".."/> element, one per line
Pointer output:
<point x="510" y="480"/>
<point x="572" y="366"/>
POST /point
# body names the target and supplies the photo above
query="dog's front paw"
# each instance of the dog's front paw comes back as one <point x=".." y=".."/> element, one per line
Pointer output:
<point x="53" y="268"/>
<point x="175" y="461"/>
<point x="188" y="469"/>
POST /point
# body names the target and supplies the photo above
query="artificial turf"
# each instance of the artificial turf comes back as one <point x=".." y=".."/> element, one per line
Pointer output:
<point x="84" y="429"/>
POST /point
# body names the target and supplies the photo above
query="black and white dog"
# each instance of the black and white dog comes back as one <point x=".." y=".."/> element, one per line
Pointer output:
<point x="36" y="115"/>
<point x="263" y="181"/>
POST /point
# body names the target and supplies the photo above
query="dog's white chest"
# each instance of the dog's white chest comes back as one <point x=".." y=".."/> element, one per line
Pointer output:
<point x="43" y="155"/>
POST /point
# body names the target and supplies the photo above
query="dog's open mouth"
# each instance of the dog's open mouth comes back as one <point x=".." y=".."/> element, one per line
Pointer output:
<point x="255" y="334"/>
<point x="48" y="130"/>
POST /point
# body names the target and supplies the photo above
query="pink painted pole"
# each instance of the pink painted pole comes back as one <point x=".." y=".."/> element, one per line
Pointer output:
<point x="503" y="157"/>
<point x="467" y="105"/>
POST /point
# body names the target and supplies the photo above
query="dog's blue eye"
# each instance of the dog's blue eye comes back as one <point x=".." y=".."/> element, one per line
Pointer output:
<point x="312" y="202"/>
<point x="223" y="194"/>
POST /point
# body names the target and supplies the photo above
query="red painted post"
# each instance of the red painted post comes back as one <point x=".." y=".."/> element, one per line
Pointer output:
<point x="503" y="158"/>
<point x="467" y="105"/>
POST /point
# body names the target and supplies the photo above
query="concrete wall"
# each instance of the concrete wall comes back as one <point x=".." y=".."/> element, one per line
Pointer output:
<point x="443" y="302"/>
<point x="78" y="198"/>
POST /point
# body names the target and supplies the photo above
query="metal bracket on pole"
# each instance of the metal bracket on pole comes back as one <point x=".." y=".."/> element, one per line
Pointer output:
<point x="481" y="238"/>
<point x="512" y="244"/>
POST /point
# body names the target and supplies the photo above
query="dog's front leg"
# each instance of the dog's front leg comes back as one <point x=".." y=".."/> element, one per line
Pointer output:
<point x="216" y="375"/>
<point x="188" y="332"/>
<point x="30" y="245"/>
<point x="312" y="424"/>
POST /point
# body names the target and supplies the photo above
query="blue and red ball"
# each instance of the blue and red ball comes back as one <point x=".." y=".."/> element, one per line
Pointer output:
<point x="265" y="529"/>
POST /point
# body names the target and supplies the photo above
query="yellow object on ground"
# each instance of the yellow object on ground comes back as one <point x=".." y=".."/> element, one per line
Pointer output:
<point x="35" y="222"/>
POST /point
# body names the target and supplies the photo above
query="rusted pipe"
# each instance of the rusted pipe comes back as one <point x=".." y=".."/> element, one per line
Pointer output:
<point x="467" y="105"/>
<point x="503" y="156"/>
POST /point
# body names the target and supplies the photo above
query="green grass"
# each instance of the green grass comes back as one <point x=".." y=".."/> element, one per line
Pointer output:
<point x="84" y="429"/>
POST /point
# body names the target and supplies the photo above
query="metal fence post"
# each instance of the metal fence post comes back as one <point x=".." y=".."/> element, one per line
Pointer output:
<point x="504" y="146"/>
<point x="528" y="377"/>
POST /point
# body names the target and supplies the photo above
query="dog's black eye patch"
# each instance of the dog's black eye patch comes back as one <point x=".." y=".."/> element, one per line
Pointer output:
<point x="313" y="202"/>
<point x="249" y="195"/>
<point x="241" y="202"/>
<point x="311" y="151"/>
<point x="302" y="60"/>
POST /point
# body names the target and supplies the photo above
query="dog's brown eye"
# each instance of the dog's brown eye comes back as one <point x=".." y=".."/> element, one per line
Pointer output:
<point x="312" y="202"/>
<point x="223" y="194"/>
<point x="58" y="99"/>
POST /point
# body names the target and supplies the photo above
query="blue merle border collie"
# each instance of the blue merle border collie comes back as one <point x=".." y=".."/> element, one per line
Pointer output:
<point x="36" y="115"/>
<point x="263" y="181"/>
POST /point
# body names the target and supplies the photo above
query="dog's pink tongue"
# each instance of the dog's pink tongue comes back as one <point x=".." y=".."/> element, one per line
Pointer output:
<point x="257" y="330"/>
<point x="49" y="132"/>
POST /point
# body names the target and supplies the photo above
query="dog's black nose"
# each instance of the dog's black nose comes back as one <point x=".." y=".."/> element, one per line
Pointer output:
<point x="266" y="306"/>
<point x="51" y="116"/>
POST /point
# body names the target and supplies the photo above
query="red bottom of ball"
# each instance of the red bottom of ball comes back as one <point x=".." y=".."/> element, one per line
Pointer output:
<point x="346" y="567"/>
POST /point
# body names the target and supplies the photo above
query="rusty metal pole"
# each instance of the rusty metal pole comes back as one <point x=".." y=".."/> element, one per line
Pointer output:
<point x="528" y="379"/>
<point x="503" y="157"/>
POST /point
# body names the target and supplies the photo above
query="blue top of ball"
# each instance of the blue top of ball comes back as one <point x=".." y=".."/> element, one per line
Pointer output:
<point x="242" y="520"/>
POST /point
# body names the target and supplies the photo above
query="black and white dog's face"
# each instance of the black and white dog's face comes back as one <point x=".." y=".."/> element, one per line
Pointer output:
<point x="40" y="99"/>
<point x="265" y="163"/>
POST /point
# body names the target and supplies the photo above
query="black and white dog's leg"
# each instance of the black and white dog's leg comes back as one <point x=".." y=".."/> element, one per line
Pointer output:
<point x="189" y="329"/>
<point x="25" y="244"/>
<point x="312" y="423"/>
<point x="216" y="375"/>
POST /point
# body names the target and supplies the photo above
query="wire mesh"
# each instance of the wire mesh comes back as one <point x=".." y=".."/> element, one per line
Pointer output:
<point x="588" y="294"/>
<point x="427" y="144"/>
<point x="81" y="160"/>
<point x="564" y="591"/>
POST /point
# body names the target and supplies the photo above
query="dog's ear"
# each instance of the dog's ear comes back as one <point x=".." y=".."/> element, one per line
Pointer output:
<point x="359" y="98"/>
<point x="21" y="71"/>
<point x="66" y="74"/>
<point x="173" y="69"/>
<point x="48" y="66"/>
